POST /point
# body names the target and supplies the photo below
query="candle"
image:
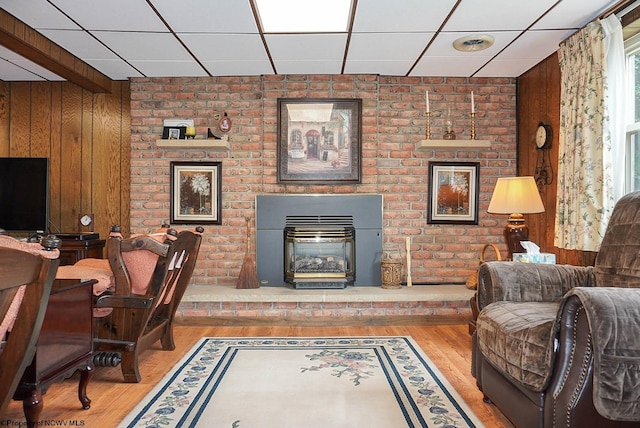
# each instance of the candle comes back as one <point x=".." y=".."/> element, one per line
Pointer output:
<point x="473" y="106"/>
<point x="426" y="97"/>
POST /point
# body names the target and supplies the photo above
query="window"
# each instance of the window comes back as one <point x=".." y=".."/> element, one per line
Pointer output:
<point x="632" y="47"/>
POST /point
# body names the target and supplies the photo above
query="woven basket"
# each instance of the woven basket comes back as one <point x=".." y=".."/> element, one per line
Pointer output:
<point x="472" y="281"/>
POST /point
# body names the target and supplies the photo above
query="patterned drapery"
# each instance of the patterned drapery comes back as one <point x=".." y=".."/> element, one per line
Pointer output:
<point x="585" y="196"/>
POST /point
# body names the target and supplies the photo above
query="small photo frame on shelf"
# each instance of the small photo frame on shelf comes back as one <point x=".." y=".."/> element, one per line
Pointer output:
<point x="196" y="193"/>
<point x="175" y="129"/>
<point x="453" y="192"/>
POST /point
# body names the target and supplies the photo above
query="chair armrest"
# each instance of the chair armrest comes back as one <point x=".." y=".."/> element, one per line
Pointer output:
<point x="116" y="301"/>
<point x="602" y="323"/>
<point x="529" y="282"/>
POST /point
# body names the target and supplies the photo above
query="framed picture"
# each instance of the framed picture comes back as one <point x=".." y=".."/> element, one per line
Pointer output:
<point x="175" y="129"/>
<point x="453" y="192"/>
<point x="196" y="193"/>
<point x="319" y="140"/>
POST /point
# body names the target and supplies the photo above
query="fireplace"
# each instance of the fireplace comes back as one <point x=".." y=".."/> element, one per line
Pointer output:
<point x="319" y="233"/>
<point x="319" y="251"/>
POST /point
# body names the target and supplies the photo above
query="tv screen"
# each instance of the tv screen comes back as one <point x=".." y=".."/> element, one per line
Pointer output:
<point x="24" y="194"/>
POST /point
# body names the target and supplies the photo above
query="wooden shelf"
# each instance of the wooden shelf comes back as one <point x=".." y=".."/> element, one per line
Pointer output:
<point x="195" y="144"/>
<point x="452" y="144"/>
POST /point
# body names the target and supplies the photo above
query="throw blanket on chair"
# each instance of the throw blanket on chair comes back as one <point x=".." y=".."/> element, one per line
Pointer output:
<point x="614" y="320"/>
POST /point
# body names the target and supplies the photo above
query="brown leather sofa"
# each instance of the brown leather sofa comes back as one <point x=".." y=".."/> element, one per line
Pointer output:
<point x="559" y="345"/>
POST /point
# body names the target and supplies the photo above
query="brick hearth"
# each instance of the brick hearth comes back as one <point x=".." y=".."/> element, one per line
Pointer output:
<point x="437" y="304"/>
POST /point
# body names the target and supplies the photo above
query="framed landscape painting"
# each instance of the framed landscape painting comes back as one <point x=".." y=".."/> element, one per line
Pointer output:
<point x="196" y="192"/>
<point x="319" y="140"/>
<point x="453" y="192"/>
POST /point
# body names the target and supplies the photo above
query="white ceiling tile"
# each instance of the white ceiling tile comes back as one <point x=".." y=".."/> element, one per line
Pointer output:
<point x="11" y="72"/>
<point x="573" y="14"/>
<point x="448" y="66"/>
<point x="207" y="16"/>
<point x="488" y="15"/>
<point x="387" y="46"/>
<point x="169" y="68"/>
<point x="144" y="46"/>
<point x="443" y="45"/>
<point x="38" y="14"/>
<point x="314" y="47"/>
<point x="400" y="15"/>
<point x="115" y="69"/>
<point x="80" y="44"/>
<point x="238" y="68"/>
<point x="37" y="69"/>
<point x="112" y="15"/>
<point x="383" y="67"/>
<point x="506" y="68"/>
<point x="308" y="67"/>
<point x="213" y="47"/>
<point x="534" y="44"/>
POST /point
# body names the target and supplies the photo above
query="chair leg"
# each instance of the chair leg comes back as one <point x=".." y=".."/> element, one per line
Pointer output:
<point x="166" y="340"/>
<point x="129" y="366"/>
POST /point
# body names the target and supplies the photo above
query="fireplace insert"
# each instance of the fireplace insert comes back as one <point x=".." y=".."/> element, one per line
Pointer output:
<point x="319" y="252"/>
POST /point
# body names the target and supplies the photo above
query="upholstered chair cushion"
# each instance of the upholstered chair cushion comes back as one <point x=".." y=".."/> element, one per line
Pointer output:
<point x="518" y="338"/>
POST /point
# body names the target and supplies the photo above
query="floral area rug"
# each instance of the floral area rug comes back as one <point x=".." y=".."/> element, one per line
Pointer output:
<point x="323" y="382"/>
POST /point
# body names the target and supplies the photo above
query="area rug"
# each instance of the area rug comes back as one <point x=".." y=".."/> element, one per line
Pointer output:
<point x="323" y="382"/>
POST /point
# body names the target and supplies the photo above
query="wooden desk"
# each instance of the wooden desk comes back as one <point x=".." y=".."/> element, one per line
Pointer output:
<point x="73" y="250"/>
<point x="64" y="346"/>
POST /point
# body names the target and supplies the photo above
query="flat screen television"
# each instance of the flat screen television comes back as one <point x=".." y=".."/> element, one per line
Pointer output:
<point x="24" y="194"/>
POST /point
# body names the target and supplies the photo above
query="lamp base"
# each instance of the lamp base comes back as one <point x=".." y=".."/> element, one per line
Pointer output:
<point x="514" y="232"/>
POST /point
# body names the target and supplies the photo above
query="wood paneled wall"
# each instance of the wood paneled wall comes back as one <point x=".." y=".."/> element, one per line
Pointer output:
<point x="87" y="138"/>
<point x="539" y="101"/>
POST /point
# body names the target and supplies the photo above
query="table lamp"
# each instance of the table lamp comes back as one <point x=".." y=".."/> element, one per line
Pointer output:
<point x="515" y="196"/>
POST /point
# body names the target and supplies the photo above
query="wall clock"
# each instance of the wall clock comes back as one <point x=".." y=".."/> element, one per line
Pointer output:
<point x="544" y="171"/>
<point x="544" y="135"/>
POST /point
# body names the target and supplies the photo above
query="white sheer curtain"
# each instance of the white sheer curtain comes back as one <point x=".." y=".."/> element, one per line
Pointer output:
<point x="585" y="196"/>
<point x="615" y="90"/>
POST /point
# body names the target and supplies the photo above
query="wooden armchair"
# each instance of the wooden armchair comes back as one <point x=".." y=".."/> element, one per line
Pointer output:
<point x="25" y="284"/>
<point x="140" y="287"/>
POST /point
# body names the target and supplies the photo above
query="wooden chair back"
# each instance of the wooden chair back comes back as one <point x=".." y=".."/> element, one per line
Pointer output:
<point x="36" y="273"/>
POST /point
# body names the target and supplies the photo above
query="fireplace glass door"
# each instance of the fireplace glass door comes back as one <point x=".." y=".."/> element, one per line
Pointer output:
<point x="319" y="258"/>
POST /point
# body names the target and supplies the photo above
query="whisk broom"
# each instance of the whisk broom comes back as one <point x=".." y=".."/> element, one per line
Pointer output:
<point x="248" y="277"/>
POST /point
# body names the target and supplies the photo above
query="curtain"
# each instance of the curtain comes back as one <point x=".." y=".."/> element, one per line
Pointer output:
<point x="616" y="95"/>
<point x="585" y="196"/>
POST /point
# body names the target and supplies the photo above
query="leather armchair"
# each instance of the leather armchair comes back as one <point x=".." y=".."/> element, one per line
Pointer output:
<point x="559" y="345"/>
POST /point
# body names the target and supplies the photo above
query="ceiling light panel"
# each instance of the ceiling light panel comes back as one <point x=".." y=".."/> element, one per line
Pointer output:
<point x="308" y="16"/>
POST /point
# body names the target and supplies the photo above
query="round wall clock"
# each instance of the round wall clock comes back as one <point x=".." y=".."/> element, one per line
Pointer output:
<point x="544" y="135"/>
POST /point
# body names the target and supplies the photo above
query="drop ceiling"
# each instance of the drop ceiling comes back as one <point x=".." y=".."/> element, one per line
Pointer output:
<point x="162" y="38"/>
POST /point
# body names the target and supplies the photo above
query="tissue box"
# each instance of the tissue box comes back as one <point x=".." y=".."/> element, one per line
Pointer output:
<point x="545" y="258"/>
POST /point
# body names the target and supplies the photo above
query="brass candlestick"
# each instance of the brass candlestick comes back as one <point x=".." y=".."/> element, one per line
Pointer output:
<point x="427" y="132"/>
<point x="473" y="126"/>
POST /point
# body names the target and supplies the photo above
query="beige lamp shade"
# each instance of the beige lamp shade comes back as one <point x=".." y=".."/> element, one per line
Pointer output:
<point x="515" y="195"/>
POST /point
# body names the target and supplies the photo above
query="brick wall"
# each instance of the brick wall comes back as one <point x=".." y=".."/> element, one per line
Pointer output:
<point x="393" y="123"/>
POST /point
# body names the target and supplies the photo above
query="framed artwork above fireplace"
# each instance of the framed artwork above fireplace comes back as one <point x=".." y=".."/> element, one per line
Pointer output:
<point x="453" y="192"/>
<point x="319" y="140"/>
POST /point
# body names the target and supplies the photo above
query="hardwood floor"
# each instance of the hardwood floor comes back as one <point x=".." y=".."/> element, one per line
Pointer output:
<point x="448" y="346"/>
